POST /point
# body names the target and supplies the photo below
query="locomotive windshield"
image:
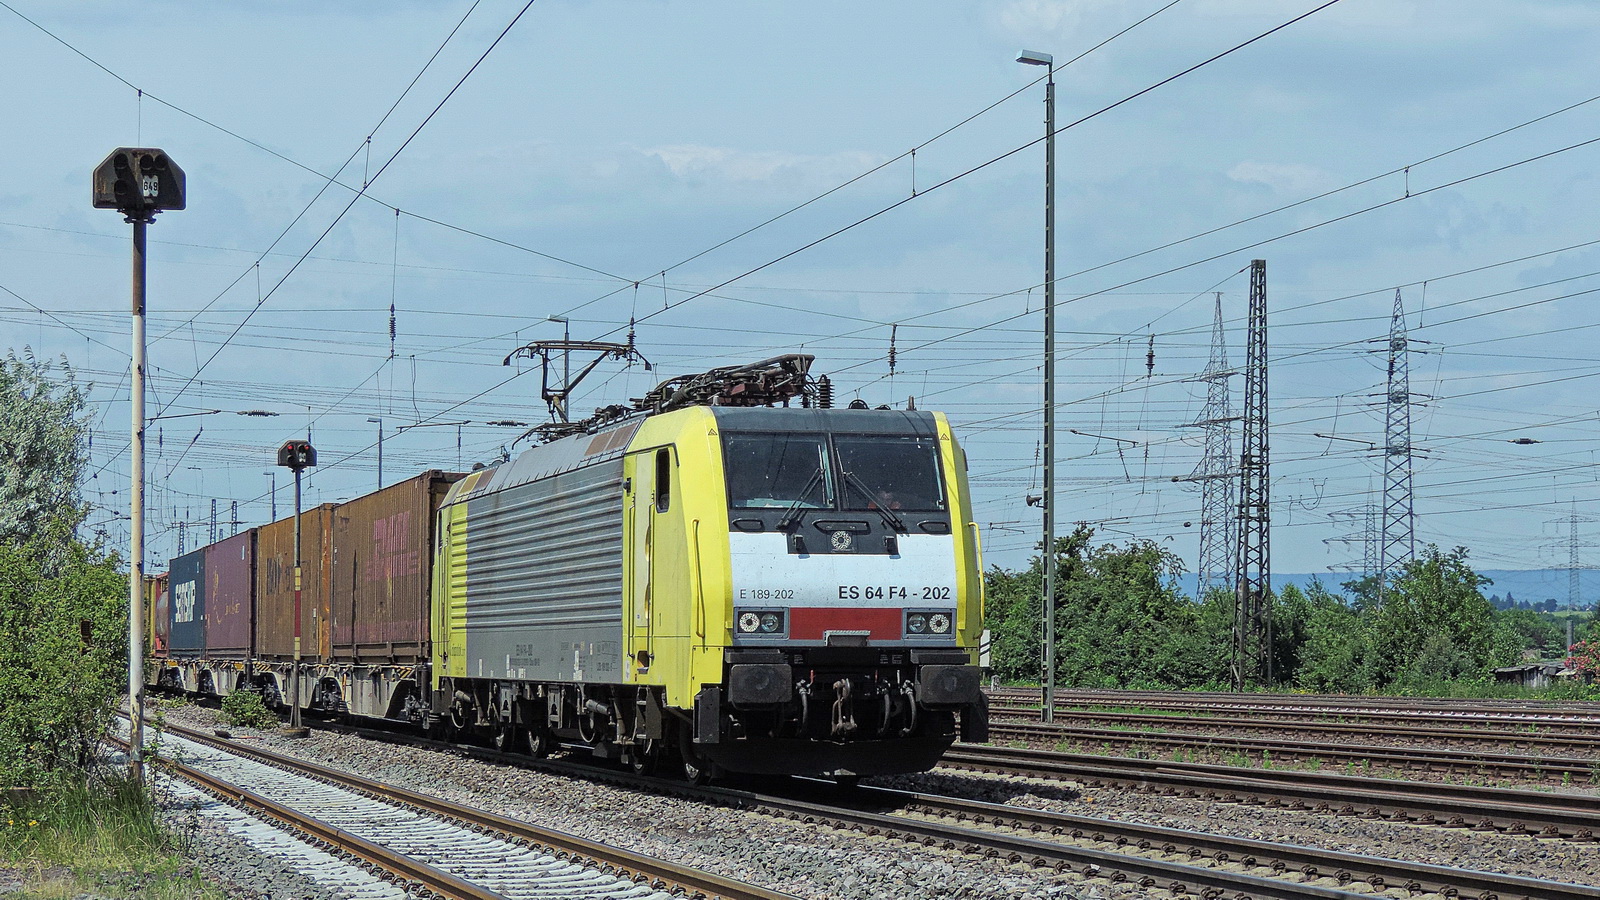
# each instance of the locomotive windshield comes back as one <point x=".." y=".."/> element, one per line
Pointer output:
<point x="890" y="472"/>
<point x="852" y="471"/>
<point x="778" y="470"/>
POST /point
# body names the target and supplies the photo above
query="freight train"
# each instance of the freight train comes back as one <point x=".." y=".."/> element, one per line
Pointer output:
<point x="706" y="577"/>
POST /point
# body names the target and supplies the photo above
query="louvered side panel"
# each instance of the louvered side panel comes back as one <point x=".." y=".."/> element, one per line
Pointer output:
<point x="544" y="578"/>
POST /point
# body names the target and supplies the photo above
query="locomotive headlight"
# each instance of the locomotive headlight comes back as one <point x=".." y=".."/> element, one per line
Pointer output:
<point x="749" y="622"/>
<point x="916" y="623"/>
<point x="939" y="623"/>
<point x="771" y="623"/>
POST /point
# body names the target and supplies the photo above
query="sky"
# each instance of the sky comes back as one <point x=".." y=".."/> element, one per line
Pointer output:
<point x="738" y="180"/>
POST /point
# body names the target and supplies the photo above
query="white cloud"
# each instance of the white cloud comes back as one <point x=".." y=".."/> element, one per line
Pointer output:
<point x="1284" y="178"/>
<point x="699" y="162"/>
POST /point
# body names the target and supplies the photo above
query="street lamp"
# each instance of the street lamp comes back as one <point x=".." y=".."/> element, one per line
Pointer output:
<point x="1034" y="58"/>
<point x="379" y="420"/>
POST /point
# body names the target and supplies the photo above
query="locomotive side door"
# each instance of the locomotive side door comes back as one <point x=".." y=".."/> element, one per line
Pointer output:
<point x="640" y="470"/>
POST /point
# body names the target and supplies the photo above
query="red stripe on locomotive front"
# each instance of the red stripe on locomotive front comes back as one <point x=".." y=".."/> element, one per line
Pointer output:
<point x="809" y="623"/>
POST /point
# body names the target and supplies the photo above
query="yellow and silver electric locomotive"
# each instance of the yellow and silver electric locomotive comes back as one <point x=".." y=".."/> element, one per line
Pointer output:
<point x="737" y="586"/>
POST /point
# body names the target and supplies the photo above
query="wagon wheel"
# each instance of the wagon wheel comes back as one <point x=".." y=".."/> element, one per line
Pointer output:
<point x="536" y="741"/>
<point x="505" y="737"/>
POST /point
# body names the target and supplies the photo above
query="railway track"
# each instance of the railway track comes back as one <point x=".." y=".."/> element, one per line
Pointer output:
<point x="1307" y="705"/>
<point x="1569" y="816"/>
<point x="1541" y="740"/>
<point x="448" y="849"/>
<point x="1353" y="757"/>
<point x="1149" y="856"/>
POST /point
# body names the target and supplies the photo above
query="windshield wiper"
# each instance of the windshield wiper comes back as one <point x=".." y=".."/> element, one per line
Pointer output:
<point x="793" y="512"/>
<point x="889" y="518"/>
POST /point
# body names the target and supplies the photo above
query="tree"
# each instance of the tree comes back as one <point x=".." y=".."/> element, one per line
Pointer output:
<point x="1336" y="654"/>
<point x="1433" y="623"/>
<point x="63" y="636"/>
<point x="43" y="445"/>
<point x="63" y="604"/>
<point x="1586" y="659"/>
<point x="1120" y="619"/>
<point x="1014" y="609"/>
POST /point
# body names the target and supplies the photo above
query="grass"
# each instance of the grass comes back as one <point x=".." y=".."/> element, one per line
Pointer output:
<point x="103" y="837"/>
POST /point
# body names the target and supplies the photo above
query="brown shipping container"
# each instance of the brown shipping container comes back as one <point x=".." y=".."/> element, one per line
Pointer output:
<point x="382" y="571"/>
<point x="157" y="619"/>
<point x="230" y="595"/>
<point x="275" y="586"/>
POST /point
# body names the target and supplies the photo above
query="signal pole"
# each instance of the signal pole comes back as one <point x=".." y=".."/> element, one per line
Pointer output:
<point x="137" y="182"/>
<point x="296" y="456"/>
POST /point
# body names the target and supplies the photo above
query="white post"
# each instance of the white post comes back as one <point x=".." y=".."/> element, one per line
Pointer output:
<point x="136" y="518"/>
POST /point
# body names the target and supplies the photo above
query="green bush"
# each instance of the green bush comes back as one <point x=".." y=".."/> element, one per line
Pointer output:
<point x="245" y="708"/>
<point x="63" y="645"/>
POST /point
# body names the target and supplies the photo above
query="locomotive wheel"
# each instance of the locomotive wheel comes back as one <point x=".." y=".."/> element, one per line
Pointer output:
<point x="696" y="771"/>
<point x="643" y="758"/>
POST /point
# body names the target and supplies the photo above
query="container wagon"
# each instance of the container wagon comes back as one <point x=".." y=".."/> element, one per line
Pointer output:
<point x="157" y="623"/>
<point x="379" y="577"/>
<point x="186" y="630"/>
<point x="274" y="644"/>
<point x="230" y="573"/>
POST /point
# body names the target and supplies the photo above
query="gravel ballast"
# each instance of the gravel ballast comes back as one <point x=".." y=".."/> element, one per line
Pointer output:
<point x="822" y="863"/>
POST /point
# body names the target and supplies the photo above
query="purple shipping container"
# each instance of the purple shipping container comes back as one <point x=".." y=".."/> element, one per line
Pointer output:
<point x="230" y="574"/>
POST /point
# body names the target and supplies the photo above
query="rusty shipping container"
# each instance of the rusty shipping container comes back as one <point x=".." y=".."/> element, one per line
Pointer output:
<point x="382" y="571"/>
<point x="186" y="637"/>
<point x="230" y="596"/>
<point x="274" y="639"/>
<point x="157" y="617"/>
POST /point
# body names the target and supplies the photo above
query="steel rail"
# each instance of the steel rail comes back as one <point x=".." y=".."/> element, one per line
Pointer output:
<point x="616" y="861"/>
<point x="1535" y="710"/>
<point x="1179" y="878"/>
<point x="436" y="880"/>
<point x="1285" y="860"/>
<point x="1341" y="714"/>
<point x="1376" y="872"/>
<point x="1469" y="761"/>
<point x="1581" y="740"/>
<point x="1512" y="811"/>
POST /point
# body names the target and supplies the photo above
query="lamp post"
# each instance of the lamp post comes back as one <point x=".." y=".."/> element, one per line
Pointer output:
<point x="137" y="182"/>
<point x="1033" y="58"/>
<point x="379" y="420"/>
<point x="296" y="456"/>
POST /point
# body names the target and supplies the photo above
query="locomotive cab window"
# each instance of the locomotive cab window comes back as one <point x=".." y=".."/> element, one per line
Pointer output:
<point x="778" y="471"/>
<point x="663" y="479"/>
<point x="891" y="472"/>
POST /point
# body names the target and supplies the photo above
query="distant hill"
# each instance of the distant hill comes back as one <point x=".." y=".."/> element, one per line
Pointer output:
<point x="1524" y="584"/>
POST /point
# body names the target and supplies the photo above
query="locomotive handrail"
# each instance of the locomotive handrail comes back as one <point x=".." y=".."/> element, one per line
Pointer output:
<point x="977" y="557"/>
<point x="699" y="588"/>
